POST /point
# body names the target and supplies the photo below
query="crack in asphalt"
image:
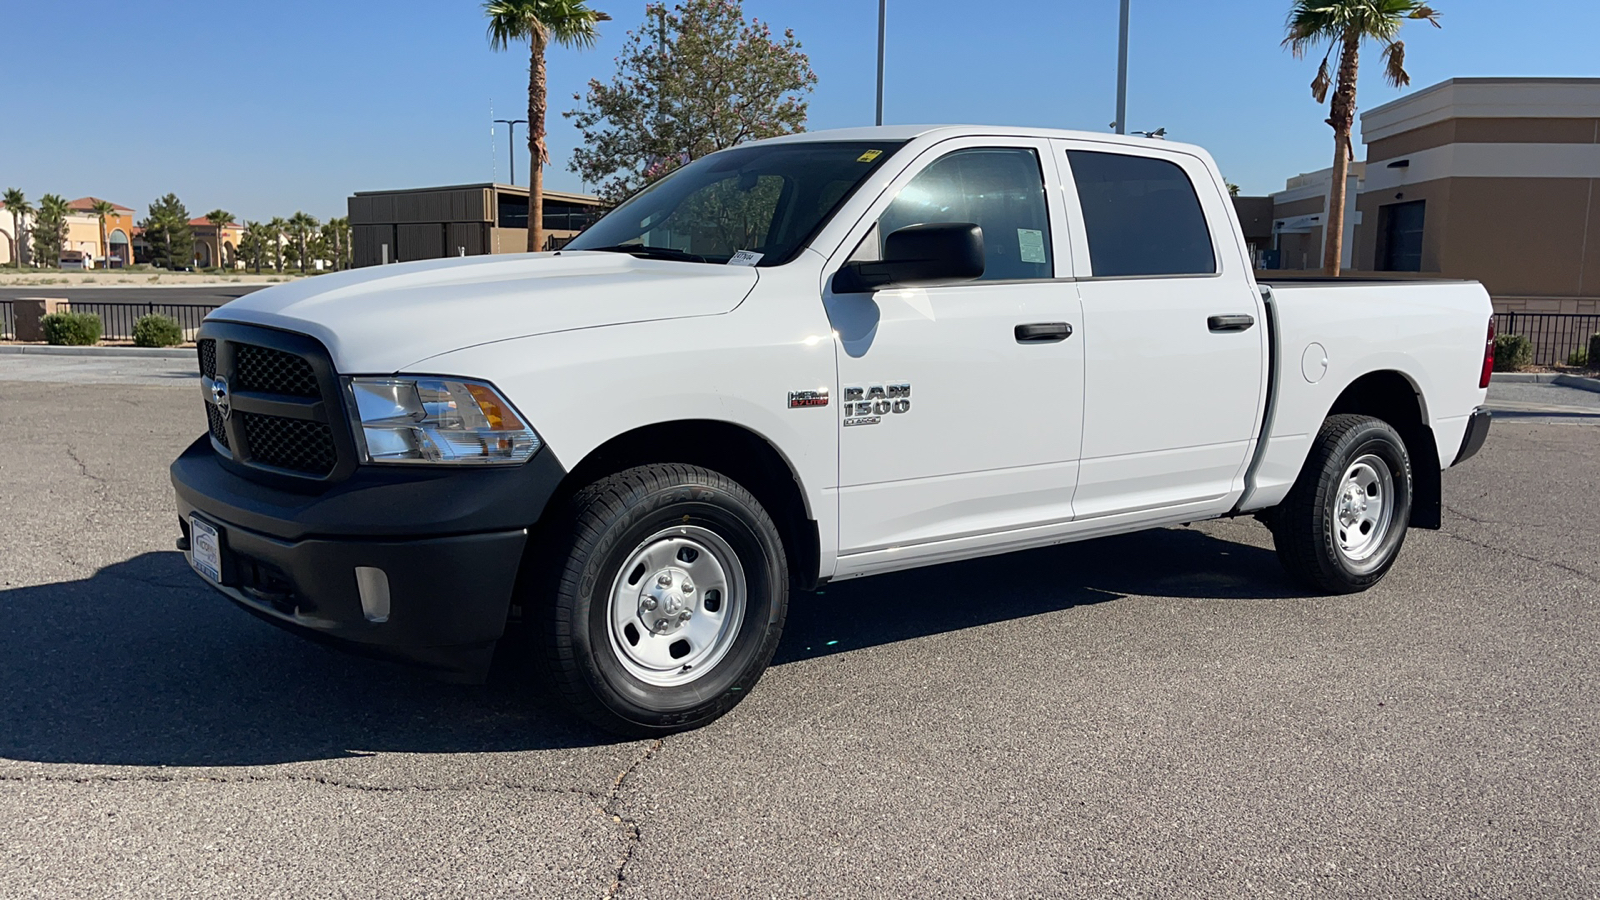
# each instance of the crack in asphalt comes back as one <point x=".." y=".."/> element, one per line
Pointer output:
<point x="83" y="469"/>
<point x="1586" y="576"/>
<point x="630" y="826"/>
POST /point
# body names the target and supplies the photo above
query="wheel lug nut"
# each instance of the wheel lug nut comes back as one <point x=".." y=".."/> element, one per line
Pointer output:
<point x="685" y="616"/>
<point x="649" y="603"/>
<point x="665" y="580"/>
<point x="688" y="588"/>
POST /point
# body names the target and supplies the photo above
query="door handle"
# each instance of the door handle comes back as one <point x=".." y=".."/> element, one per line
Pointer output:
<point x="1225" y="324"/>
<point x="1043" y="332"/>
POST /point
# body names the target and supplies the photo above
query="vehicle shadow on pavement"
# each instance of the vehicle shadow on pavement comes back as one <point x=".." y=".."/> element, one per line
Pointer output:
<point x="1171" y="562"/>
<point x="142" y="665"/>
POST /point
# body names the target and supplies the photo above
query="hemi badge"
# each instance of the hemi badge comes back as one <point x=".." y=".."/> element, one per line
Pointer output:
<point x="808" y="399"/>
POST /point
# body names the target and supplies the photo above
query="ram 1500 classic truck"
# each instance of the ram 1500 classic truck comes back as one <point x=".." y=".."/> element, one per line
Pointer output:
<point x="805" y="359"/>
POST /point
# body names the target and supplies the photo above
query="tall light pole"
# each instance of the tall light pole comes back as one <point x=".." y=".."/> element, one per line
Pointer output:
<point x="883" y="16"/>
<point x="1122" y="73"/>
<point x="511" y="143"/>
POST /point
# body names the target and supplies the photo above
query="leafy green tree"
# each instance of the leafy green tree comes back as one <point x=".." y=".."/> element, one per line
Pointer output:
<point x="102" y="210"/>
<point x="569" y="23"/>
<point x="17" y="204"/>
<point x="50" y="230"/>
<point x="1343" y="25"/>
<point x="715" y="80"/>
<point x="167" y="231"/>
<point x="220" y="219"/>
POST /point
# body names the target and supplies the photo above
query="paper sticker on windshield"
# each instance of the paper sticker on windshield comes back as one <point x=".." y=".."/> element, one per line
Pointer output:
<point x="869" y="156"/>
<point x="1031" y="245"/>
<point x="745" y="258"/>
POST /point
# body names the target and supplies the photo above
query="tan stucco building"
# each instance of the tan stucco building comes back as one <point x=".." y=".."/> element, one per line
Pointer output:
<point x="1492" y="179"/>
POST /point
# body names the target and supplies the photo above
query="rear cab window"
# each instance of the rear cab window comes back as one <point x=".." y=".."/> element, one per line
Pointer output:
<point x="1141" y="216"/>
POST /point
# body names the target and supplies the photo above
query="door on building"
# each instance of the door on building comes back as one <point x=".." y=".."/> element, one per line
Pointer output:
<point x="1400" y="236"/>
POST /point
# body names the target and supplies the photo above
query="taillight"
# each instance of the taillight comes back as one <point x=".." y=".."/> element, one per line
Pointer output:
<point x="1488" y="356"/>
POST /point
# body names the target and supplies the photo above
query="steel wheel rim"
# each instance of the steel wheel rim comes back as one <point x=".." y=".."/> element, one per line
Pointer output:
<point x="676" y="605"/>
<point x="1363" y="509"/>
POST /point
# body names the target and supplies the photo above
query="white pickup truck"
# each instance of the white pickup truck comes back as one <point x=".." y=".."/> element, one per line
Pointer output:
<point x="806" y="359"/>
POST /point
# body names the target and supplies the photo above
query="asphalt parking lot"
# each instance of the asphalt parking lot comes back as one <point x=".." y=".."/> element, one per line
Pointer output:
<point x="1160" y="714"/>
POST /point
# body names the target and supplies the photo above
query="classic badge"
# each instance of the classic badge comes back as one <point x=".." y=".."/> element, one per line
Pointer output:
<point x="868" y="405"/>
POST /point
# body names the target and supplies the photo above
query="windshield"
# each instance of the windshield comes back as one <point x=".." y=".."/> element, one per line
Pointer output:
<point x="762" y="202"/>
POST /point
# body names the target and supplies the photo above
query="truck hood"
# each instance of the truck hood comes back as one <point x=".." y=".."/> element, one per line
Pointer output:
<point x="389" y="318"/>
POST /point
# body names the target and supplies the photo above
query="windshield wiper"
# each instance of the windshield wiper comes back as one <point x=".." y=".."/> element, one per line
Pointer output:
<point x="650" y="252"/>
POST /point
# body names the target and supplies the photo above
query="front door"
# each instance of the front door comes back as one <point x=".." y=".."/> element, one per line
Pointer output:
<point x="956" y="417"/>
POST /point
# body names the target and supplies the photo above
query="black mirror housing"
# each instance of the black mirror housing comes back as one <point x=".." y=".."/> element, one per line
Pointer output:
<point x="919" y="256"/>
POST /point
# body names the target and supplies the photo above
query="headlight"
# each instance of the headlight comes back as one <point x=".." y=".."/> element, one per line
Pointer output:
<point x="436" y="420"/>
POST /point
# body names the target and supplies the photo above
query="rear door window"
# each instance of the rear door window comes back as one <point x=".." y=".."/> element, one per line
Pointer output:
<point x="1141" y="216"/>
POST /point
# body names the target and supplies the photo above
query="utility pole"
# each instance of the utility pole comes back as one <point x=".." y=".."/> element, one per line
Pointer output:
<point x="511" y="144"/>
<point x="1122" y="73"/>
<point x="883" y="16"/>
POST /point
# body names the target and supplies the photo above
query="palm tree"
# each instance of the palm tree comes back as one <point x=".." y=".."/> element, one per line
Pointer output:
<point x="17" y="204"/>
<point x="301" y="225"/>
<point x="1343" y="25"/>
<point x="275" y="230"/>
<point x="102" y="210"/>
<point x="253" y="241"/>
<point x="219" y="219"/>
<point x="567" y="22"/>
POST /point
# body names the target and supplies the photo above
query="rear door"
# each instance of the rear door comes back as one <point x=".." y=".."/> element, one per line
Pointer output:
<point x="1174" y="341"/>
<point x="952" y="425"/>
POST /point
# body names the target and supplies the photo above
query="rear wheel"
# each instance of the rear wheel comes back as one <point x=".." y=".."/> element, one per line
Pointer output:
<point x="670" y="599"/>
<point x="1342" y="525"/>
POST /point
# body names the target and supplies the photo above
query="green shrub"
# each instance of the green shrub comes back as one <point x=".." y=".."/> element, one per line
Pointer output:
<point x="1578" y="357"/>
<point x="72" y="329"/>
<point x="156" y="331"/>
<point x="1593" y="360"/>
<point x="1512" y="352"/>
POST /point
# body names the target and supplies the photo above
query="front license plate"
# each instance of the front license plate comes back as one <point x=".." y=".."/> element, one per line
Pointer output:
<point x="205" y="549"/>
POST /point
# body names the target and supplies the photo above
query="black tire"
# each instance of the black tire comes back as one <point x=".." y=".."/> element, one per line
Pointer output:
<point x="1313" y="539"/>
<point x="606" y="526"/>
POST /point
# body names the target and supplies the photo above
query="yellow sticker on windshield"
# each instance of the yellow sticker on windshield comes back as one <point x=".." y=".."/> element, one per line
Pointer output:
<point x="869" y="156"/>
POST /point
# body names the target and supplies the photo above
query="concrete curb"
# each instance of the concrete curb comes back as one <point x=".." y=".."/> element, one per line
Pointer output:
<point x="1572" y="381"/>
<point x="146" y="352"/>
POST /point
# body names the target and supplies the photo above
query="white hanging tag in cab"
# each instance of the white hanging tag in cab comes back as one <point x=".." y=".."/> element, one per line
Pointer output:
<point x="1031" y="245"/>
<point x="745" y="258"/>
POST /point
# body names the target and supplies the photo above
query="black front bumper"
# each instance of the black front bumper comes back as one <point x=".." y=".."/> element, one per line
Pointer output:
<point x="449" y="544"/>
<point x="1477" y="433"/>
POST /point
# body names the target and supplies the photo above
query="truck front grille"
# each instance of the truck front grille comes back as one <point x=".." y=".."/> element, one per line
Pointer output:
<point x="274" y="405"/>
<point x="270" y="371"/>
<point x="295" y="444"/>
<point x="208" y="357"/>
<point x="219" y="433"/>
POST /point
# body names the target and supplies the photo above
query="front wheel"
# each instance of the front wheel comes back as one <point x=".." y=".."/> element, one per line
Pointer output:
<point x="670" y="602"/>
<point x="1341" y="527"/>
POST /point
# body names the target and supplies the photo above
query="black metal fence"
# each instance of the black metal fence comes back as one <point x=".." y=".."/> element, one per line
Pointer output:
<point x="8" y="322"/>
<point x="117" y="319"/>
<point x="1555" y="336"/>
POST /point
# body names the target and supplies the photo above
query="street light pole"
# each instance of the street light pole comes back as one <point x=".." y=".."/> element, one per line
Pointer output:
<point x="1122" y="73"/>
<point x="511" y="144"/>
<point x="883" y="15"/>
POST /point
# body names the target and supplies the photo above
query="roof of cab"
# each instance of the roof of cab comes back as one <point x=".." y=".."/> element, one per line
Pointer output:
<point x="910" y="132"/>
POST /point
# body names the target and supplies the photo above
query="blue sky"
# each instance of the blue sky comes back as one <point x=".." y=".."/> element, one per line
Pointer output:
<point x="266" y="108"/>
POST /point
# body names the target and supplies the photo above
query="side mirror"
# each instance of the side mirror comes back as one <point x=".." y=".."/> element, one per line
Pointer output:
<point x="918" y="256"/>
